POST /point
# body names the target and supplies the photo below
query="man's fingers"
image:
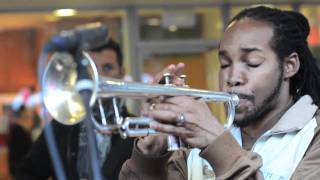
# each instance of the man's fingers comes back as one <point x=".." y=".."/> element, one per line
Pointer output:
<point x="163" y="116"/>
<point x="179" y="69"/>
<point x="159" y="76"/>
<point x="172" y="69"/>
<point x="169" y="129"/>
<point x="181" y="100"/>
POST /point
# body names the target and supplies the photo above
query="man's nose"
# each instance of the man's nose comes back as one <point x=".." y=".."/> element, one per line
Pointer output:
<point x="236" y="76"/>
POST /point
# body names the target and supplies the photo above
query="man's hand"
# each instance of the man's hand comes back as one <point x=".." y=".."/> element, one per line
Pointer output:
<point x="187" y="118"/>
<point x="155" y="145"/>
<point x="174" y="70"/>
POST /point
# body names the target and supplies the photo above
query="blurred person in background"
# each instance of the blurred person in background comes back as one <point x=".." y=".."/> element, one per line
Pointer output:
<point x="72" y="141"/>
<point x="19" y="138"/>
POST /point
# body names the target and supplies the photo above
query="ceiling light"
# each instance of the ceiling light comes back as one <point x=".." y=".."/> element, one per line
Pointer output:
<point x="64" y="12"/>
<point x="153" y="22"/>
<point x="173" y="28"/>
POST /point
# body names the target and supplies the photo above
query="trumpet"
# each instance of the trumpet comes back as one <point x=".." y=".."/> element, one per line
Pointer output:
<point x="66" y="106"/>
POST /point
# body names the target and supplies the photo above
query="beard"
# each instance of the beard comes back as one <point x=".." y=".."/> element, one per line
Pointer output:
<point x="256" y="115"/>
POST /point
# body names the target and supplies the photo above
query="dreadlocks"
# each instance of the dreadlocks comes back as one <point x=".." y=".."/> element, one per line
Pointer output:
<point x="291" y="30"/>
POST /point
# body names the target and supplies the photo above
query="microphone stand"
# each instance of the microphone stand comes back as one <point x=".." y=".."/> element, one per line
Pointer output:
<point x="48" y="130"/>
<point x="74" y="42"/>
<point x="84" y="87"/>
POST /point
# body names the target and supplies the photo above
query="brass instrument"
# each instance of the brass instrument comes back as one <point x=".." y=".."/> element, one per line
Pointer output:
<point x="62" y="100"/>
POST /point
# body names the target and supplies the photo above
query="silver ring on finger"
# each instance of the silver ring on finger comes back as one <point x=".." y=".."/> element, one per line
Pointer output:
<point x="152" y="106"/>
<point x="181" y="119"/>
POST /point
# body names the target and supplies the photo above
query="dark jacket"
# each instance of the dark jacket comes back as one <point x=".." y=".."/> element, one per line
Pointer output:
<point x="37" y="164"/>
<point x="229" y="159"/>
<point x="19" y="143"/>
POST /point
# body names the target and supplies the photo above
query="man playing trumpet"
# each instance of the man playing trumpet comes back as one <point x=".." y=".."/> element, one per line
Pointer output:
<point x="266" y="61"/>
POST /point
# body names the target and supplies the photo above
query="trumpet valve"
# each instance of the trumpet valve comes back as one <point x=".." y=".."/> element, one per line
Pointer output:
<point x="168" y="79"/>
<point x="183" y="77"/>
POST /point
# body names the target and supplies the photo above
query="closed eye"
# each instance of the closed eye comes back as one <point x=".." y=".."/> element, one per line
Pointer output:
<point x="253" y="65"/>
<point x="223" y="66"/>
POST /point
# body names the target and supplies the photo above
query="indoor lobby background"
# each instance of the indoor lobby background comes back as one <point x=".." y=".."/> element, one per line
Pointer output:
<point x="152" y="34"/>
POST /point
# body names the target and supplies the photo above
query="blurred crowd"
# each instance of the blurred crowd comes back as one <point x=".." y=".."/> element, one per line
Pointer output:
<point x="20" y="125"/>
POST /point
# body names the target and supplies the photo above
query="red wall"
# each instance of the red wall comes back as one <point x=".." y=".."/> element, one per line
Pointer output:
<point x="17" y="60"/>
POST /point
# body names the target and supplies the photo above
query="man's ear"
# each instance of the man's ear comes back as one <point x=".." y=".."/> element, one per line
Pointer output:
<point x="291" y="65"/>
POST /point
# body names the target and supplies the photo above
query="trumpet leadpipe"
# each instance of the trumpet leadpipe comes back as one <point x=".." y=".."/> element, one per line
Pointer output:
<point x="109" y="87"/>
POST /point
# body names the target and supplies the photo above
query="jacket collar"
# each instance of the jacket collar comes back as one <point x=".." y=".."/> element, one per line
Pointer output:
<point x="296" y="117"/>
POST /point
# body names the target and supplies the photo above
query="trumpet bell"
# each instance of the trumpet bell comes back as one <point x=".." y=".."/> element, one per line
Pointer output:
<point x="61" y="98"/>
